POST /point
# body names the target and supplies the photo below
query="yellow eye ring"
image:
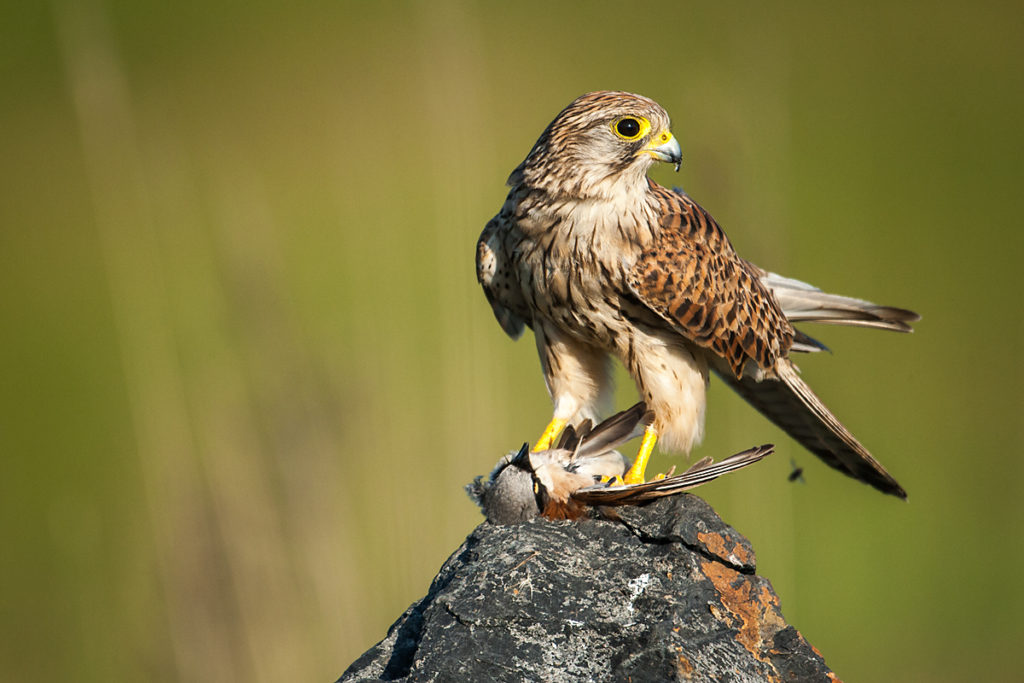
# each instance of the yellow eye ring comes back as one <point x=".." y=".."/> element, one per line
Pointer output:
<point x="631" y="127"/>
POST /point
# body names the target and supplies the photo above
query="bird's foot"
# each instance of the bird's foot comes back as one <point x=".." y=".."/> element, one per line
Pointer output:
<point x="551" y="433"/>
<point x="621" y="481"/>
<point x="635" y="475"/>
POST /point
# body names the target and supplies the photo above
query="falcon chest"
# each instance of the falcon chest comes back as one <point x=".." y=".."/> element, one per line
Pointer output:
<point x="572" y="263"/>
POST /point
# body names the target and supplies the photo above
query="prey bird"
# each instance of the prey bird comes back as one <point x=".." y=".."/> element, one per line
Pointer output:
<point x="572" y="478"/>
<point x="601" y="262"/>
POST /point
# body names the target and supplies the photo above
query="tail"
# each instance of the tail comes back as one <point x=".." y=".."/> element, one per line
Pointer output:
<point x="790" y="404"/>
<point x="802" y="302"/>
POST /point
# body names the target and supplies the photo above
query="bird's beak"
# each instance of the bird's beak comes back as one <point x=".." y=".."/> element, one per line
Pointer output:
<point x="664" y="147"/>
<point x="522" y="458"/>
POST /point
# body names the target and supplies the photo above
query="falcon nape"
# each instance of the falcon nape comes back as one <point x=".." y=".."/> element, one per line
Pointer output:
<point x="600" y="262"/>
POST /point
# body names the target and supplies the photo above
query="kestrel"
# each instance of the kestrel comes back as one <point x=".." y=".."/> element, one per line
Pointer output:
<point x="600" y="262"/>
<point x="565" y="481"/>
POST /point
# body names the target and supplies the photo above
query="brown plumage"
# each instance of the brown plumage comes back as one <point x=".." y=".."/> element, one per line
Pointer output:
<point x="602" y="262"/>
<point x="692" y="277"/>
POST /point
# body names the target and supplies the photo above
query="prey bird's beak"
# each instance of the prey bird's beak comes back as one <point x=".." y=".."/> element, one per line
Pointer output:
<point x="664" y="147"/>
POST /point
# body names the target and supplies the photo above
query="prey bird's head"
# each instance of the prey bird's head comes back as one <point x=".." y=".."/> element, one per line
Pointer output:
<point x="601" y="144"/>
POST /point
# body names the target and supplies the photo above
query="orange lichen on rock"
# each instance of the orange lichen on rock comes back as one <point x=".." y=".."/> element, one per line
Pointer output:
<point x="684" y="668"/>
<point x="716" y="543"/>
<point x="756" y="612"/>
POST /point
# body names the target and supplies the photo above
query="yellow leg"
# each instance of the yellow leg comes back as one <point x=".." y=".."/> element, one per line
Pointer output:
<point x="551" y="433"/>
<point x="635" y="475"/>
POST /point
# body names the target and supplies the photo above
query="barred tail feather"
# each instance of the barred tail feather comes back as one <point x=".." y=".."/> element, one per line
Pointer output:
<point x="802" y="302"/>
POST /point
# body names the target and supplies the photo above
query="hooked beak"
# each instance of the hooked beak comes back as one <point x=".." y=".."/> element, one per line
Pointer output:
<point x="664" y="147"/>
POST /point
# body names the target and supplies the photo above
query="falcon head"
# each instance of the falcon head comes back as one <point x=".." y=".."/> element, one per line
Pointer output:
<point x="599" y="145"/>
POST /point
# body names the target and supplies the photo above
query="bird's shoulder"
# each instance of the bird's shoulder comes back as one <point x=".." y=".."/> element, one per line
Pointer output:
<point x="495" y="273"/>
<point x="488" y="252"/>
<point x="680" y="217"/>
<point x="494" y="246"/>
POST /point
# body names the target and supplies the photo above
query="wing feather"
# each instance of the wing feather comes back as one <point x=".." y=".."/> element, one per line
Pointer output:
<point x="692" y="277"/>
<point x="793" y="406"/>
<point x="802" y="302"/>
<point x="701" y="473"/>
<point x="494" y="273"/>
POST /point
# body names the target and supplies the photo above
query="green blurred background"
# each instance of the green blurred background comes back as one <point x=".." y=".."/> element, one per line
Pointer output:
<point x="246" y="368"/>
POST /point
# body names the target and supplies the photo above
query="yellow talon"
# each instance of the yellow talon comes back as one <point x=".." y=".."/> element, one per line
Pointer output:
<point x="635" y="475"/>
<point x="551" y="433"/>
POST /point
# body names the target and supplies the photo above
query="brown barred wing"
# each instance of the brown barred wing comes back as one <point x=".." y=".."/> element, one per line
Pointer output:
<point x="693" y="279"/>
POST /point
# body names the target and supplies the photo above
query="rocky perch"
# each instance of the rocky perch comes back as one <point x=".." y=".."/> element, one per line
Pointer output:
<point x="663" y="592"/>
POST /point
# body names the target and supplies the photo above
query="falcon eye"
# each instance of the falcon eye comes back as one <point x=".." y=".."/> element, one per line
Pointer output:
<point x="628" y="128"/>
<point x="631" y="127"/>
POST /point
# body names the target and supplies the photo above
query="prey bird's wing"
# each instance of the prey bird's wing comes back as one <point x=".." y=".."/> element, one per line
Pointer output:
<point x="613" y="432"/>
<point x="791" y="405"/>
<point x="700" y="473"/>
<point x="692" y="277"/>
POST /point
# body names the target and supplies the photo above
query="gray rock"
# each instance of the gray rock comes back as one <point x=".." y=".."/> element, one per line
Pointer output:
<point x="663" y="592"/>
